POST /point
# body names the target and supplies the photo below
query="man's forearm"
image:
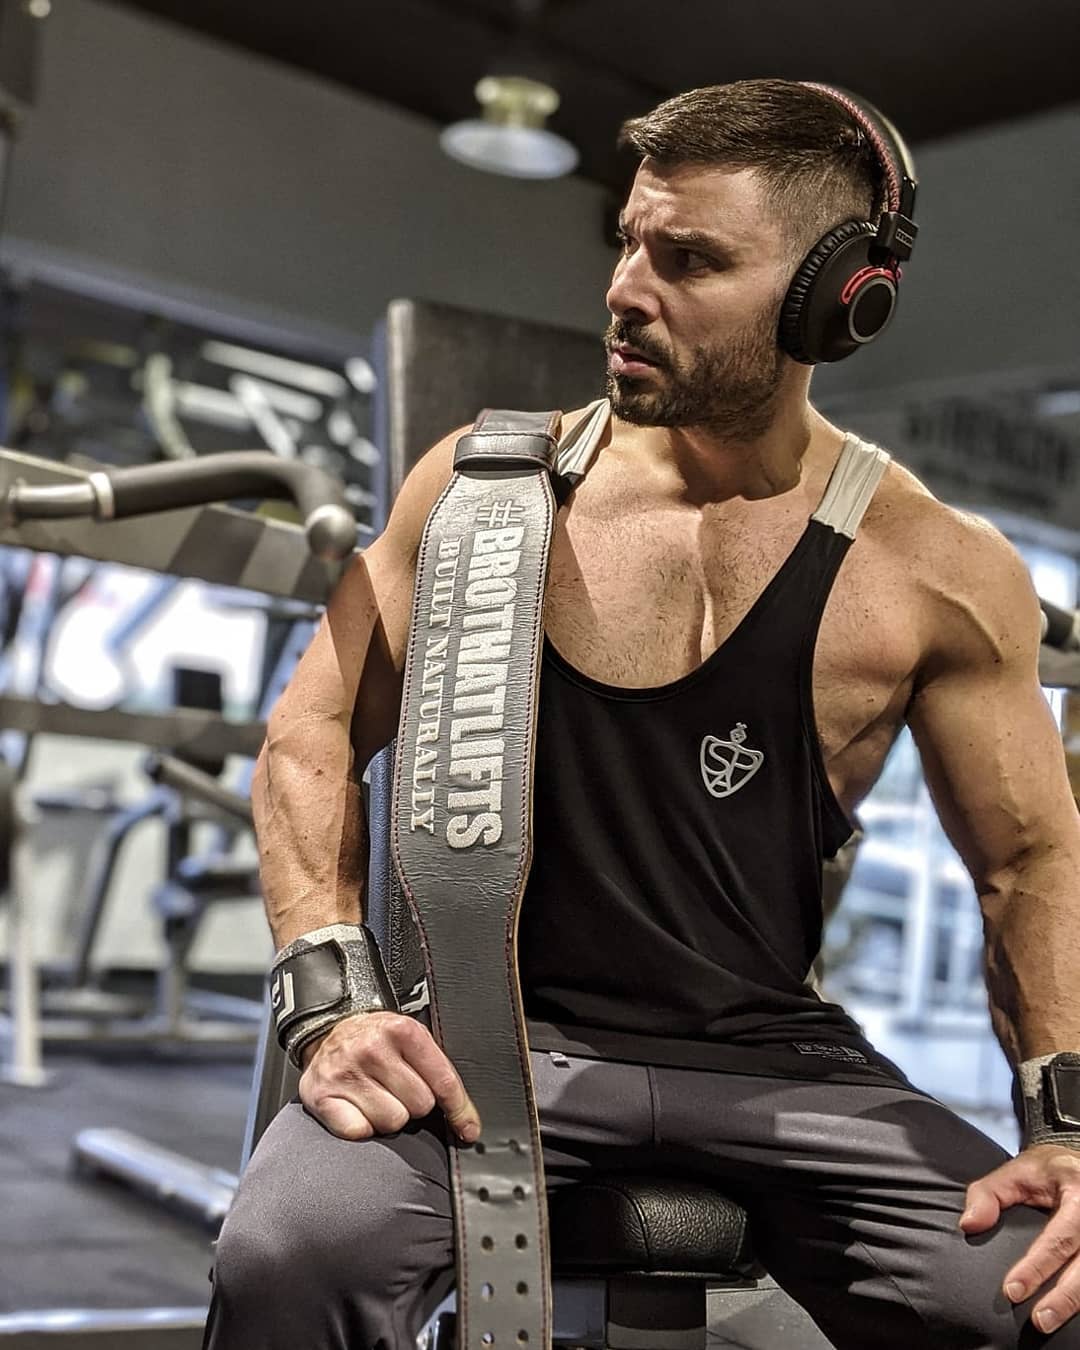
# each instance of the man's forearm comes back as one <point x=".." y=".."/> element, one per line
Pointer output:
<point x="1032" y="922"/>
<point x="311" y="827"/>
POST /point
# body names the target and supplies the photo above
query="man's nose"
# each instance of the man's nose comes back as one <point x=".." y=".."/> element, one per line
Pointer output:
<point x="632" y="295"/>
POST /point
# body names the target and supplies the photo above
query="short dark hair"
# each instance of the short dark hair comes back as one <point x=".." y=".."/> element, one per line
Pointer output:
<point x="816" y="166"/>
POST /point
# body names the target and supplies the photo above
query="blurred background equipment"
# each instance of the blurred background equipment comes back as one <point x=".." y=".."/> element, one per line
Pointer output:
<point x="191" y="881"/>
<point x="94" y="380"/>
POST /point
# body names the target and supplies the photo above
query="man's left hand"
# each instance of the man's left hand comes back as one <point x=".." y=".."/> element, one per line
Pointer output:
<point x="1046" y="1176"/>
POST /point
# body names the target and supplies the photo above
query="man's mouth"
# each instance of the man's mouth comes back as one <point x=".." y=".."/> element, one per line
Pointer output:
<point x="624" y="360"/>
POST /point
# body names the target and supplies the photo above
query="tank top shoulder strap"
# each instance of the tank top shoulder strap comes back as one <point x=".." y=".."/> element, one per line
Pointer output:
<point x="851" y="486"/>
<point x="578" y="445"/>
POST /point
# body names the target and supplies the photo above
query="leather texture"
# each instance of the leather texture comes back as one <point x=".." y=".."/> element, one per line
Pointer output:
<point x="461" y="844"/>
<point x="437" y="365"/>
<point x="494" y="441"/>
<point x="648" y="1225"/>
<point x="813" y="324"/>
<point x="386" y="911"/>
<point x="492" y="448"/>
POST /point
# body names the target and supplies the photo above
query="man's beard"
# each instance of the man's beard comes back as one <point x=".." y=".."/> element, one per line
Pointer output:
<point x="730" y="388"/>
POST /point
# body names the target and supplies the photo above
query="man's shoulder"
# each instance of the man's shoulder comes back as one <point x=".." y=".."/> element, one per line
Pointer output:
<point x="932" y="534"/>
<point x="969" y="581"/>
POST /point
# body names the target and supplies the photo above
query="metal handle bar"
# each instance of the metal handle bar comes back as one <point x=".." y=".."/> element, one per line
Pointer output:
<point x="187" y="779"/>
<point x="145" y="488"/>
<point x="1061" y="627"/>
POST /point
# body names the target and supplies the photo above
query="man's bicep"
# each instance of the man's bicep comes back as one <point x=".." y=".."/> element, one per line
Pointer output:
<point x="994" y="764"/>
<point x="990" y="748"/>
<point x="351" y="650"/>
<point x="351" y="670"/>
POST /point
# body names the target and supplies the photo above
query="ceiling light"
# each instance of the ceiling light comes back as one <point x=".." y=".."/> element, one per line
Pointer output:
<point x="511" y="138"/>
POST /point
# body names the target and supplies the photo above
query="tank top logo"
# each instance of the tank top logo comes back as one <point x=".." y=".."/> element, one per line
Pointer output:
<point x="727" y="766"/>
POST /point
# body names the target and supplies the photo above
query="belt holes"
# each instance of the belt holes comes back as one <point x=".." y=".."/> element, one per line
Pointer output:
<point x="519" y="1192"/>
<point x="488" y="1338"/>
<point x="483" y="1193"/>
<point x="522" y="1337"/>
<point x="479" y="1147"/>
<point x="487" y="1290"/>
<point x="522" y="1288"/>
<point x="515" y="1146"/>
<point x="488" y="1243"/>
<point x="521" y="1241"/>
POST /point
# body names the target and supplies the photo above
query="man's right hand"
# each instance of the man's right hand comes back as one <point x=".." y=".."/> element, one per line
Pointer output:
<point x="373" y="1073"/>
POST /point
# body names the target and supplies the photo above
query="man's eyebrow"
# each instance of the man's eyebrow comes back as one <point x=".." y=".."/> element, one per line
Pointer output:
<point x="698" y="240"/>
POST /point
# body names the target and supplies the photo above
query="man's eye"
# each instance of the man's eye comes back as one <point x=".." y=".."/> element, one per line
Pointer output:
<point x="623" y="240"/>
<point x="689" y="260"/>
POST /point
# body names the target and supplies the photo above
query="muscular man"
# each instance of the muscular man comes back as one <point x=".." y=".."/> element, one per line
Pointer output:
<point x="722" y="682"/>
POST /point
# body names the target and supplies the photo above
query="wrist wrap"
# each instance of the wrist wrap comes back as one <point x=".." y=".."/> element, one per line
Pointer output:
<point x="1050" y="1091"/>
<point x="322" y="977"/>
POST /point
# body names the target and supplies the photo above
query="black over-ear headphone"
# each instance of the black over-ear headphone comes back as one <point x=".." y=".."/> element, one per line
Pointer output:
<point x="844" y="292"/>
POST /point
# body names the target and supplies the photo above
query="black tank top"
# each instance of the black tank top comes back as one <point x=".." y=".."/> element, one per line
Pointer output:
<point x="674" y="905"/>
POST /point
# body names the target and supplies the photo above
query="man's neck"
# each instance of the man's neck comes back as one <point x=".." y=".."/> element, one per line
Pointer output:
<point x="698" y="465"/>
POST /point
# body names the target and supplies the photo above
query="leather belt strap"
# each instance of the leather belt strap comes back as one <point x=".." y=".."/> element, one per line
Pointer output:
<point x="462" y="845"/>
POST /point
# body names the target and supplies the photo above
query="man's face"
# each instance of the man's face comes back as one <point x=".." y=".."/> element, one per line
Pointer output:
<point x="696" y="297"/>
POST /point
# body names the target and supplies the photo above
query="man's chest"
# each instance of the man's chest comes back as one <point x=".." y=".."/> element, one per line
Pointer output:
<point x="643" y="599"/>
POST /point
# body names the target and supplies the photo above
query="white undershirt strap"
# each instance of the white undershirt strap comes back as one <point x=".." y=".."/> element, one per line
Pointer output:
<point x="577" y="448"/>
<point x="851" y="487"/>
<point x="852" y="484"/>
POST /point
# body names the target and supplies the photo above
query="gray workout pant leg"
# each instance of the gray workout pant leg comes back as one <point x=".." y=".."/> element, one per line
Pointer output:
<point x="854" y="1194"/>
<point x="331" y="1243"/>
<point x="338" y="1245"/>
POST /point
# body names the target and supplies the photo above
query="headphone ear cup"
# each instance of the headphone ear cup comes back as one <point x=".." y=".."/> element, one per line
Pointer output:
<point x="838" y="299"/>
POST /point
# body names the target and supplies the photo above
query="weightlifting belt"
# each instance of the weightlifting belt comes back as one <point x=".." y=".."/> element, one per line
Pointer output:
<point x="461" y="837"/>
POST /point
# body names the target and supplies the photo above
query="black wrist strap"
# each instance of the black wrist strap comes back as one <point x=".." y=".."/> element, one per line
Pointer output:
<point x="323" y="977"/>
<point x="1050" y="1095"/>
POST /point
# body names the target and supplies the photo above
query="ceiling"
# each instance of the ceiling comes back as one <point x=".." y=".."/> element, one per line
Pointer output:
<point x="936" y="68"/>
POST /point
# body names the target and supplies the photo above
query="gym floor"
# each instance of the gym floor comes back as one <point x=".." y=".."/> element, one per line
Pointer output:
<point x="81" y="1242"/>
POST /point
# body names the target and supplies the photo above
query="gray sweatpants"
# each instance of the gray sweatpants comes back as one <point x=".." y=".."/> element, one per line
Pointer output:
<point x="853" y="1193"/>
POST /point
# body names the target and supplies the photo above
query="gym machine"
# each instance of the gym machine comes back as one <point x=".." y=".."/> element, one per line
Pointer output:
<point x="77" y="1009"/>
<point x="165" y="1176"/>
<point x="45" y="506"/>
<point x="50" y="507"/>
